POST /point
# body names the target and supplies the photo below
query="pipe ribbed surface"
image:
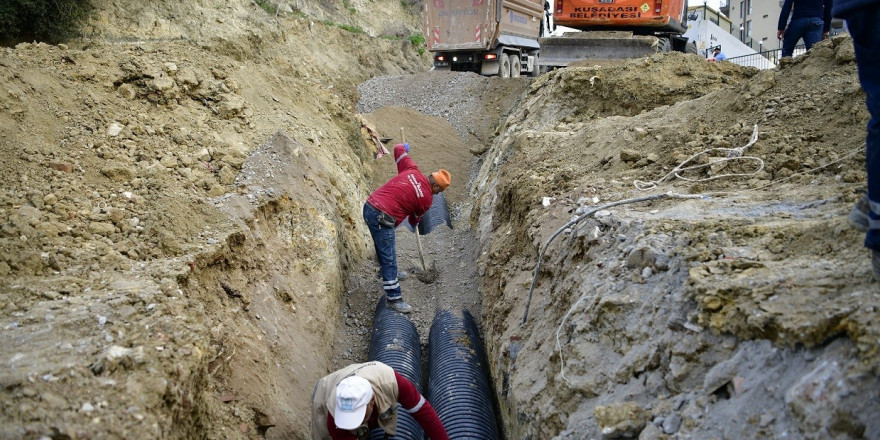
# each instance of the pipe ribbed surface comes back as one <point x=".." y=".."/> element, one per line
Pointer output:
<point x="458" y="378"/>
<point x="394" y="341"/>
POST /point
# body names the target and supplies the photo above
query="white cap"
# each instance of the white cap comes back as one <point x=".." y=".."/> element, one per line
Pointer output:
<point x="352" y="396"/>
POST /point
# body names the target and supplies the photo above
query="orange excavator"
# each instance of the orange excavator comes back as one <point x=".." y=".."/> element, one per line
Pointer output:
<point x="614" y="29"/>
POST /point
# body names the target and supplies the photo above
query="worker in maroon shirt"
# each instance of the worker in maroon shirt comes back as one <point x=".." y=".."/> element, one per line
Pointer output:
<point x="347" y="404"/>
<point x="406" y="197"/>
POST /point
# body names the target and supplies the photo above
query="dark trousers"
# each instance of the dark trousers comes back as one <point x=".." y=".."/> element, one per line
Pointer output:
<point x="810" y="29"/>
<point x="863" y="26"/>
<point x="383" y="240"/>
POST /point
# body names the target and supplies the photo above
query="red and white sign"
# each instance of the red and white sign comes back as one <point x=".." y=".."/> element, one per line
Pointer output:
<point x="478" y="33"/>
<point x="437" y="35"/>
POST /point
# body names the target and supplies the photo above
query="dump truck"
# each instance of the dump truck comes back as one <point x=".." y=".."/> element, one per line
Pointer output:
<point x="615" y="29"/>
<point x="490" y="37"/>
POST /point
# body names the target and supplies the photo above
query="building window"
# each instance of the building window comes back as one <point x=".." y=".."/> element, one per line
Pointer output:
<point x="742" y="10"/>
<point x="750" y="7"/>
<point x="749" y="28"/>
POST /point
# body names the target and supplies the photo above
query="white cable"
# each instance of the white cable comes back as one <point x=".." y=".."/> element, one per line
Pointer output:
<point x="732" y="155"/>
<point x="558" y="345"/>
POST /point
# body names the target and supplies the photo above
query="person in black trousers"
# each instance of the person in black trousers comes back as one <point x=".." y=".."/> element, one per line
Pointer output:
<point x="862" y="18"/>
<point x="811" y="20"/>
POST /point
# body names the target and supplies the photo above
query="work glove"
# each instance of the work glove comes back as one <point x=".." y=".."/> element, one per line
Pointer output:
<point x="406" y="147"/>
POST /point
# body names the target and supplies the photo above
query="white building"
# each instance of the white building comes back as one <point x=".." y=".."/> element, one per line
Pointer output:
<point x="713" y="31"/>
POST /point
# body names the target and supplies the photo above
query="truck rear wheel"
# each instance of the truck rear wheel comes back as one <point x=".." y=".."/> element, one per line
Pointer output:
<point x="504" y="66"/>
<point x="515" y="66"/>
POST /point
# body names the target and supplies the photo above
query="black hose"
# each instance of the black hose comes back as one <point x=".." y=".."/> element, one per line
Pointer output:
<point x="458" y="378"/>
<point x="394" y="341"/>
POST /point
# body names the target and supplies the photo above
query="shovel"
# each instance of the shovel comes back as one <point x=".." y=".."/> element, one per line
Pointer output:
<point x="426" y="266"/>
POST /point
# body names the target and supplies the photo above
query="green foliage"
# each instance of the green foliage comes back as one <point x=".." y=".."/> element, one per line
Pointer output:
<point x="418" y="40"/>
<point x="352" y="28"/>
<point x="52" y="21"/>
<point x="349" y="7"/>
<point x="266" y="6"/>
<point x="410" y="4"/>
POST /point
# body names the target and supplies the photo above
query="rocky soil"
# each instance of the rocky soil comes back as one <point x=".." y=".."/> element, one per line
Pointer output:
<point x="181" y="204"/>
<point x="746" y="313"/>
<point x="183" y="253"/>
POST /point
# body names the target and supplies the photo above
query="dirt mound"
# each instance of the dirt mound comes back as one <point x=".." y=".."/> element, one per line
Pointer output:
<point x="161" y="275"/>
<point x="580" y="94"/>
<point x="672" y="303"/>
<point x="473" y="112"/>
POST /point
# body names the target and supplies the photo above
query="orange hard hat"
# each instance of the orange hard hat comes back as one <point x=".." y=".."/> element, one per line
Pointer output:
<point x="441" y="178"/>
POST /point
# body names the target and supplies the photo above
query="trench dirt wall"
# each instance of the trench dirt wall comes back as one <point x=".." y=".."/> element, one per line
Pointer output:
<point x="730" y="315"/>
<point x="180" y="206"/>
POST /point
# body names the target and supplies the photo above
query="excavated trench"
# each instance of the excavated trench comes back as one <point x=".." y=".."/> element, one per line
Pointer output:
<point x="671" y="317"/>
<point x="444" y="130"/>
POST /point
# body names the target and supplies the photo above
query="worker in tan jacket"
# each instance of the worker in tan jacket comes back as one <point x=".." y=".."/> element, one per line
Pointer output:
<point x="348" y="403"/>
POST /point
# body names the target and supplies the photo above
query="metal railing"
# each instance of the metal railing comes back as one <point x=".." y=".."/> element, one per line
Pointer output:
<point x="767" y="59"/>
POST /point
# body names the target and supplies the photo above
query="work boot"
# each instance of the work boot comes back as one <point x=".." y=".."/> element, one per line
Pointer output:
<point x="858" y="217"/>
<point x="402" y="307"/>
<point x="875" y="264"/>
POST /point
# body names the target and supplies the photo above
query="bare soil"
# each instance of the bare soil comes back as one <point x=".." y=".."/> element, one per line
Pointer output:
<point x="729" y="316"/>
<point x="183" y="253"/>
<point x="181" y="205"/>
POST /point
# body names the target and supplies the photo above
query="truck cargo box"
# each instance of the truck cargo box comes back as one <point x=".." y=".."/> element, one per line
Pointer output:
<point x="452" y="25"/>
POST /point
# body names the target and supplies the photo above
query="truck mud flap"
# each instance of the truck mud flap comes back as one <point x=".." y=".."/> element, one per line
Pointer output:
<point x="562" y="51"/>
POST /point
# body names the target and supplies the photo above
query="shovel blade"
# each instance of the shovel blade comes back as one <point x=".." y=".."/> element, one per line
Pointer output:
<point x="430" y="264"/>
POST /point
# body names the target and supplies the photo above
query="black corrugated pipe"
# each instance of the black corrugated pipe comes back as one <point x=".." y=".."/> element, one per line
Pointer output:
<point x="458" y="378"/>
<point x="395" y="342"/>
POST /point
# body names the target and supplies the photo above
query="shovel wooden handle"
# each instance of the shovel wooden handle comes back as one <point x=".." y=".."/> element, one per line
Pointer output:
<point x="421" y="255"/>
<point x="418" y="236"/>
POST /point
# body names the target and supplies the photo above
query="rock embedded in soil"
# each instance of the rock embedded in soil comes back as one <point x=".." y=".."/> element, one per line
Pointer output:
<point x="118" y="173"/>
<point x="621" y="420"/>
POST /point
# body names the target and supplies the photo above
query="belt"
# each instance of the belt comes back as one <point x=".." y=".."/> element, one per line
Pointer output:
<point x="385" y="218"/>
<point x="374" y="207"/>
